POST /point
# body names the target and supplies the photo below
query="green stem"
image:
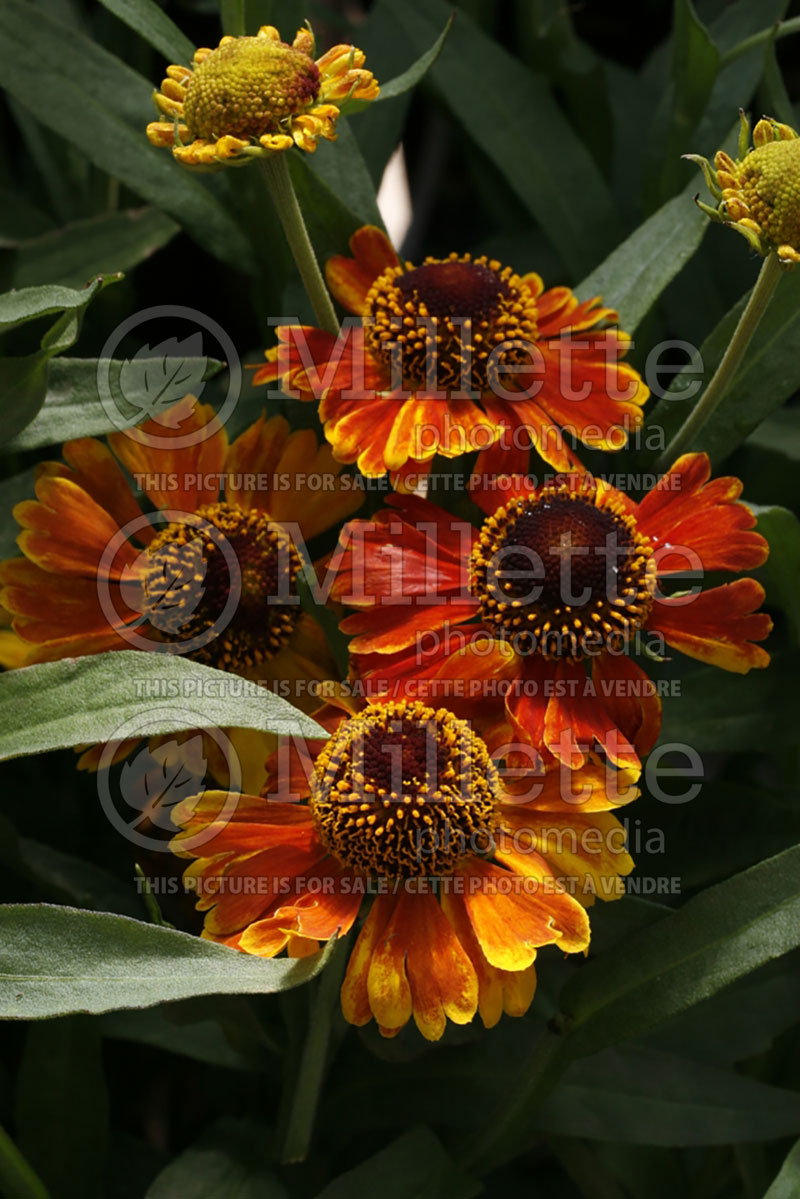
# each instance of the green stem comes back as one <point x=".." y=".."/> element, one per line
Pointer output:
<point x="279" y="182"/>
<point x="755" y="308"/>
<point x="232" y="17"/>
<point x="298" y="1121"/>
<point x="505" y="1129"/>
<point x="783" y="29"/>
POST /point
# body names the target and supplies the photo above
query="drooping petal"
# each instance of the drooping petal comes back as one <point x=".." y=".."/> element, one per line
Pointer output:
<point x="718" y="626"/>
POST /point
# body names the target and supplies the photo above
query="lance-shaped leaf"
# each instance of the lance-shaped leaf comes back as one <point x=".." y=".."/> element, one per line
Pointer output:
<point x="58" y="961"/>
<point x="77" y="700"/>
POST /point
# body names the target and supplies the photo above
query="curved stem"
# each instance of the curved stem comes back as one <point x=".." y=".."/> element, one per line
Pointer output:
<point x="755" y="308"/>
<point x="301" y="1106"/>
<point x="279" y="182"/>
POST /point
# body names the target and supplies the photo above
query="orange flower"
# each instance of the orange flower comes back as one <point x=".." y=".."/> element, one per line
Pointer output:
<point x="406" y="805"/>
<point x="205" y="573"/>
<point x="557" y="577"/>
<point x="458" y="355"/>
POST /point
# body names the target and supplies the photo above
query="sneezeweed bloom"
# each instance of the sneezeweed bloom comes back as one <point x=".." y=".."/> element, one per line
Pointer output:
<point x="210" y="572"/>
<point x="256" y="96"/>
<point x="758" y="194"/>
<point x="559" y="578"/>
<point x="458" y="354"/>
<point x="404" y="807"/>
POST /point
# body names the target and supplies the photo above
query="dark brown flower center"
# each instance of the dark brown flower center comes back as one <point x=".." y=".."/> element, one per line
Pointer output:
<point x="452" y="325"/>
<point x="403" y="790"/>
<point x="222" y="582"/>
<point x="563" y="573"/>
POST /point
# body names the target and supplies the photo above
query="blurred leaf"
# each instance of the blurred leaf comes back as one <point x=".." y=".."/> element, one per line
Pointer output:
<point x="410" y="78"/>
<point x="743" y="1020"/>
<point x="415" y="1164"/>
<point x="55" y="961"/>
<point x="695" y="59"/>
<point x="219" y="1031"/>
<point x="23" y="384"/>
<point x="101" y="106"/>
<point x="64" y="878"/>
<point x="97" y="246"/>
<point x="62" y="1058"/>
<point x="634" y="275"/>
<point x="19" y="218"/>
<point x="512" y="116"/>
<point x="72" y="405"/>
<point x="782" y="570"/>
<point x="80" y="700"/>
<point x="153" y="24"/>
<point x="722" y="711"/>
<point x="787" y="1183"/>
<point x="17" y="1178"/>
<point x="769" y="374"/>
<point x="641" y="1096"/>
<point x="342" y="169"/>
<point x="715" y="938"/>
<point x="230" y="1161"/>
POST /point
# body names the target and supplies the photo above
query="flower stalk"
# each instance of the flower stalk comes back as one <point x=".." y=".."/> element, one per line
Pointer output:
<point x="301" y="1102"/>
<point x="279" y="183"/>
<point x="749" y="321"/>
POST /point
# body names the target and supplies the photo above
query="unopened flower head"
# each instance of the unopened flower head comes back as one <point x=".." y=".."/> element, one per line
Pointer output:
<point x="256" y="96"/>
<point x="758" y="193"/>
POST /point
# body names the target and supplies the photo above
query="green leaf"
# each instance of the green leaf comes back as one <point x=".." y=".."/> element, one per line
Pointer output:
<point x="153" y="24"/>
<point x="640" y="1096"/>
<point x="31" y="303"/>
<point x="415" y="1164"/>
<point x="99" y="245"/>
<point x="341" y="167"/>
<point x="634" y="275"/>
<point x="787" y="1183"/>
<point x="695" y="60"/>
<point x="58" y="961"/>
<point x="512" y="116"/>
<point x="24" y="380"/>
<point x="64" y="878"/>
<point x="769" y="374"/>
<point x="17" y="1178"/>
<point x="410" y="78"/>
<point x="23" y="385"/>
<point x="80" y="700"/>
<point x="72" y="405"/>
<point x="719" y="936"/>
<point x="721" y="711"/>
<point x="230" y="1161"/>
<point x="102" y="107"/>
<point x="218" y="1030"/>
<point x="739" y="1022"/>
<point x="60" y="1058"/>
<point x="782" y="570"/>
